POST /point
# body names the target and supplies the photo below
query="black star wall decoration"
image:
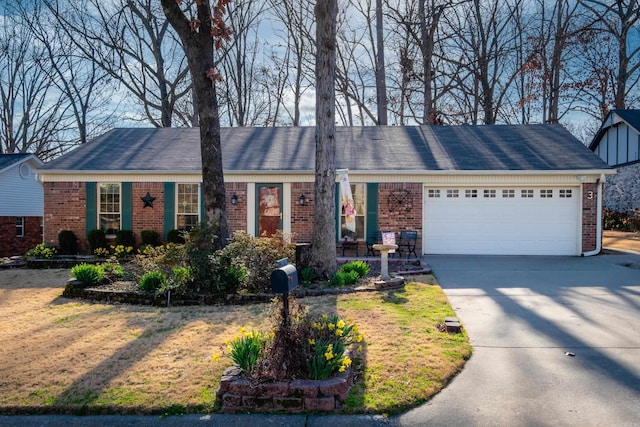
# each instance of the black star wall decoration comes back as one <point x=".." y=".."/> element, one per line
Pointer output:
<point x="148" y="200"/>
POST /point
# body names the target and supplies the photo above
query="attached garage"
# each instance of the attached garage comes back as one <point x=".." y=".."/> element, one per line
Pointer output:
<point x="502" y="220"/>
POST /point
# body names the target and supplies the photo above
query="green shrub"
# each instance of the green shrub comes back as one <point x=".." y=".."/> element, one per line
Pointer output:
<point x="150" y="237"/>
<point x="175" y="236"/>
<point x="97" y="239"/>
<point x="88" y="274"/>
<point x="258" y="256"/>
<point x="360" y="267"/>
<point x="307" y="275"/>
<point x="621" y="221"/>
<point x="125" y="238"/>
<point x="151" y="281"/>
<point x="112" y="271"/>
<point x="344" y="278"/>
<point x="246" y="349"/>
<point x="68" y="242"/>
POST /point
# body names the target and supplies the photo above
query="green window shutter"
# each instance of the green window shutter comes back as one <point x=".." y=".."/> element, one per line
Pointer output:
<point x="127" y="207"/>
<point x="202" y="218"/>
<point x="372" y="209"/>
<point x="338" y="210"/>
<point x="91" y="206"/>
<point x="169" y="207"/>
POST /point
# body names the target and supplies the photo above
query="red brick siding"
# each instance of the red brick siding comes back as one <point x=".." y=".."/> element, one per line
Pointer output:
<point x="13" y="245"/>
<point x="149" y="218"/>
<point x="405" y="217"/>
<point x="236" y="214"/>
<point x="302" y="216"/>
<point x="589" y="216"/>
<point x="64" y="209"/>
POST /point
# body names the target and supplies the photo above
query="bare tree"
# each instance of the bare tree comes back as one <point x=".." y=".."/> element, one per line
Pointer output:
<point x="293" y="59"/>
<point x="202" y="29"/>
<point x="323" y="242"/>
<point x="131" y="40"/>
<point x="620" y="19"/>
<point x="32" y="115"/>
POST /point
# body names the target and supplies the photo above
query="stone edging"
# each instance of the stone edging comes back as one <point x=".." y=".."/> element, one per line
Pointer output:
<point x="75" y="289"/>
<point x="237" y="394"/>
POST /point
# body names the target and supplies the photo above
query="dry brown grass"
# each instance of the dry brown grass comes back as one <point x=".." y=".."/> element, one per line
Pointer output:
<point x="59" y="354"/>
<point x="621" y="240"/>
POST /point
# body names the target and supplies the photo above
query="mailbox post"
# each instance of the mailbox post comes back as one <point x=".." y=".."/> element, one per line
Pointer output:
<point x="284" y="279"/>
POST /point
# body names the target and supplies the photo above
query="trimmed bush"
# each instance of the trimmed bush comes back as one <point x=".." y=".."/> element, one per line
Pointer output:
<point x="88" y="274"/>
<point x="175" y="236"/>
<point x="152" y="281"/>
<point x="97" y="239"/>
<point x="67" y="242"/>
<point x="150" y="237"/>
<point x="125" y="238"/>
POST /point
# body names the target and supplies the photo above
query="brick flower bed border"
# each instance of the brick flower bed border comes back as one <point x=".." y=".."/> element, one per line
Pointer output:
<point x="238" y="394"/>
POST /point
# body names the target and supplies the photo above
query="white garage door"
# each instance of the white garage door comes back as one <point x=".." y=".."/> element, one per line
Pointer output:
<point x="501" y="221"/>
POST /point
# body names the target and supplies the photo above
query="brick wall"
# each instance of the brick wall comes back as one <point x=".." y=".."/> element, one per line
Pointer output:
<point x="64" y="209"/>
<point x="302" y="215"/>
<point x="12" y="245"/>
<point x="405" y="216"/>
<point x="149" y="218"/>
<point x="236" y="214"/>
<point x="589" y="216"/>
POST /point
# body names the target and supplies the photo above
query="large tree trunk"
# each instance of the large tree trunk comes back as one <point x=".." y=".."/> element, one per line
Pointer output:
<point x="324" y="234"/>
<point x="199" y="49"/>
<point x="381" y="78"/>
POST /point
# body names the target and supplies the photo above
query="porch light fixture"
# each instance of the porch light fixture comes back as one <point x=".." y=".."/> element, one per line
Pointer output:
<point x="302" y="199"/>
<point x="234" y="199"/>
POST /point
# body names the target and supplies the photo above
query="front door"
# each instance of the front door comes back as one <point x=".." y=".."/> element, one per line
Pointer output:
<point x="269" y="205"/>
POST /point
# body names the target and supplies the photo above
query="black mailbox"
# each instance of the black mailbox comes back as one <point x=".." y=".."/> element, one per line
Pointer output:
<point x="284" y="279"/>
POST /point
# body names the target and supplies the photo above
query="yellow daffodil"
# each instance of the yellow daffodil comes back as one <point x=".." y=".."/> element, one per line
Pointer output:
<point x="215" y="357"/>
<point x="312" y="341"/>
<point x="339" y="332"/>
<point x="340" y="324"/>
<point x="331" y="326"/>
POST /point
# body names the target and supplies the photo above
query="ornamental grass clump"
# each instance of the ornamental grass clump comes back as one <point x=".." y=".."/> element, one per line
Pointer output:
<point x="247" y="347"/>
<point x="88" y="274"/>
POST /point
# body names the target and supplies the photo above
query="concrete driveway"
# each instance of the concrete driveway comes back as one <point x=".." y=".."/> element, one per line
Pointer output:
<point x="556" y="342"/>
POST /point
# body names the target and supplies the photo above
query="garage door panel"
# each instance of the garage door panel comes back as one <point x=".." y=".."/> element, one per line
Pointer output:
<point x="501" y="225"/>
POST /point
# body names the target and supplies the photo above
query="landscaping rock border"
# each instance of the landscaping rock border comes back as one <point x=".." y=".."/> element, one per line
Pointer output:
<point x="237" y="394"/>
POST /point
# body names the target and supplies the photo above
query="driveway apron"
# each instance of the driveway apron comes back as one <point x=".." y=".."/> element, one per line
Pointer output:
<point x="556" y="342"/>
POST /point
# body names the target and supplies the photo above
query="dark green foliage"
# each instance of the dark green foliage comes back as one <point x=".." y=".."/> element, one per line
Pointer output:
<point x="360" y="267"/>
<point x="112" y="272"/>
<point x="349" y="273"/>
<point x="151" y="281"/>
<point x="307" y="275"/>
<point x="344" y="278"/>
<point x="67" y="242"/>
<point x="200" y="247"/>
<point x="97" y="239"/>
<point x="125" y="238"/>
<point x="88" y="274"/>
<point x="150" y="237"/>
<point x="621" y="221"/>
<point x="175" y="236"/>
<point x="257" y="255"/>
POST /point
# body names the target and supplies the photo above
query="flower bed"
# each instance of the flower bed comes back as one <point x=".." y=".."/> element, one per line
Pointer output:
<point x="237" y="394"/>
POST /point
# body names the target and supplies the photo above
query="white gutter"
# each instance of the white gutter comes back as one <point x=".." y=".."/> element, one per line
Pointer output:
<point x="598" y="248"/>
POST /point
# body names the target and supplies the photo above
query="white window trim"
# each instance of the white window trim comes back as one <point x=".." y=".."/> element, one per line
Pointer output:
<point x="358" y="214"/>
<point x="20" y="227"/>
<point x="199" y="209"/>
<point x="99" y="212"/>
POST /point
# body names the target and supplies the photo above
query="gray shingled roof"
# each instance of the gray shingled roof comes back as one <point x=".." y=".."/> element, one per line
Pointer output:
<point x="380" y="148"/>
<point x="7" y="160"/>
<point x="631" y="117"/>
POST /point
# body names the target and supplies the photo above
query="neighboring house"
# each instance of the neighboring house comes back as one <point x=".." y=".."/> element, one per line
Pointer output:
<point x="524" y="189"/>
<point x="618" y="144"/>
<point x="21" y="204"/>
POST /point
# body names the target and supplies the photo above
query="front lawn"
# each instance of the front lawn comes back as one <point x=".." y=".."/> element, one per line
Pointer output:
<point x="61" y="355"/>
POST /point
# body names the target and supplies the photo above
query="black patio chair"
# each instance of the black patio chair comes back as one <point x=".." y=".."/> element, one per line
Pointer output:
<point x="407" y="242"/>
